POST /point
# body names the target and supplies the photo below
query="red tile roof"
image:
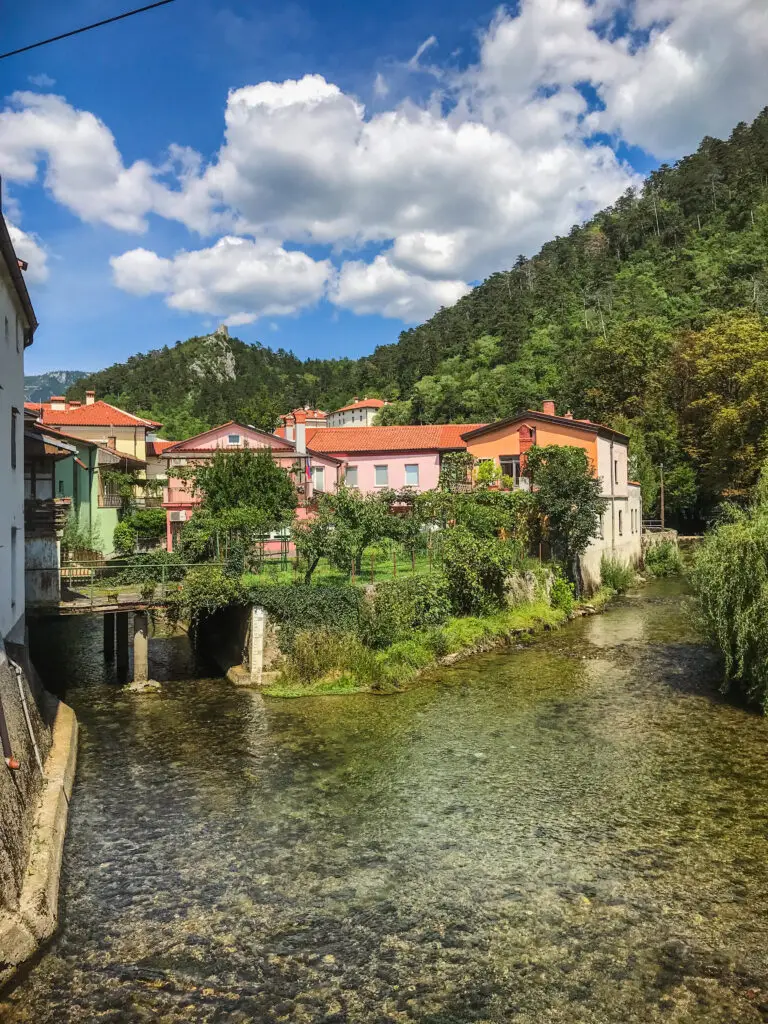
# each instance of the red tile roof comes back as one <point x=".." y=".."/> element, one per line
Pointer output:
<point x="158" y="447"/>
<point x="365" y="403"/>
<point x="441" y="437"/>
<point x="98" y="414"/>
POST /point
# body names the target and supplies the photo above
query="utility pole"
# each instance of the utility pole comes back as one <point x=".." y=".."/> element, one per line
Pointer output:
<point x="662" y="495"/>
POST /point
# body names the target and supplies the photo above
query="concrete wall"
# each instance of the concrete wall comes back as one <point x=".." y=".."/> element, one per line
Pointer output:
<point x="12" y="325"/>
<point x="41" y="555"/>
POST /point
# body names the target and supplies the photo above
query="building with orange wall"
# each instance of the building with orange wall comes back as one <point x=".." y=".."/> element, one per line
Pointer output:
<point x="507" y="441"/>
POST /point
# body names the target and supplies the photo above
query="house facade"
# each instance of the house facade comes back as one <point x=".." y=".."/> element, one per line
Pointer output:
<point x="313" y="472"/>
<point x="380" y="458"/>
<point x="359" y="413"/>
<point x="17" y="327"/>
<point x="506" y="442"/>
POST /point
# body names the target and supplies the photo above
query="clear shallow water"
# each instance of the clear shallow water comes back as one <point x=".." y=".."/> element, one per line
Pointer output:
<point x="577" y="832"/>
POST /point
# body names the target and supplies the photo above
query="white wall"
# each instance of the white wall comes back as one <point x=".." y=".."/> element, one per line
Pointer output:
<point x="622" y="534"/>
<point x="11" y="480"/>
<point x="352" y="418"/>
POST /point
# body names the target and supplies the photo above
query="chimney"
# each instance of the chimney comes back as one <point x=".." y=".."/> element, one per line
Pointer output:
<point x="527" y="440"/>
<point x="548" y="408"/>
<point x="355" y="400"/>
<point x="569" y="415"/>
<point x="301" y="432"/>
<point x="58" y="403"/>
<point x="74" y="404"/>
<point x="90" y="397"/>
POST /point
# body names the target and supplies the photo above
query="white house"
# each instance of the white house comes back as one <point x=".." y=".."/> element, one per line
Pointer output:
<point x="17" y="326"/>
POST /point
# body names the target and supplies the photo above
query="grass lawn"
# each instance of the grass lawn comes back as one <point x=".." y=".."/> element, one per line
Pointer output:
<point x="374" y="570"/>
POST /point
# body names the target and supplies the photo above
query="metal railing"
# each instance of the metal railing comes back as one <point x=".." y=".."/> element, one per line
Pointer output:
<point x="653" y="525"/>
<point x="97" y="584"/>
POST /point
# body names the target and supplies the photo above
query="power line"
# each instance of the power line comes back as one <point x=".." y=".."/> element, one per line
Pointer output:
<point x="85" y="28"/>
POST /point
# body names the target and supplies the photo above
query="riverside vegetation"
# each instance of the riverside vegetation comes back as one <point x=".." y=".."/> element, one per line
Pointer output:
<point x="651" y="317"/>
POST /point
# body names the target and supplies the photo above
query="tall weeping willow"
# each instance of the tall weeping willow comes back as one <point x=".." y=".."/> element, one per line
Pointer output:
<point x="730" y="580"/>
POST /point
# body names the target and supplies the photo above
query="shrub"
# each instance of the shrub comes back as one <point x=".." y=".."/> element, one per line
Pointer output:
<point x="153" y="567"/>
<point x="476" y="569"/>
<point x="205" y="588"/>
<point x="561" y="594"/>
<point x="124" y="538"/>
<point x="730" y="581"/>
<point x="399" y="606"/>
<point x="402" y="661"/>
<point x="301" y="606"/>
<point x="617" y="575"/>
<point x="324" y="651"/>
<point x="663" y="559"/>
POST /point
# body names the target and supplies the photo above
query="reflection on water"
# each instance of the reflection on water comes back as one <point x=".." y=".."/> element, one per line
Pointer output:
<point x="572" y="833"/>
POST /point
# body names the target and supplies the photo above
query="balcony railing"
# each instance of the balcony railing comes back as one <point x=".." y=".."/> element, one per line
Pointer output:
<point x="110" y="501"/>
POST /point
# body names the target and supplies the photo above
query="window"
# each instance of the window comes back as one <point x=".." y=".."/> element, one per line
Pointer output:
<point x="616" y="470"/>
<point x="381" y="475"/>
<point x="621" y="523"/>
<point x="350" y="477"/>
<point x="18" y="335"/>
<point x="14" y="441"/>
<point x="233" y="439"/>
<point x="318" y="478"/>
<point x="510" y="469"/>
<point x="412" y="476"/>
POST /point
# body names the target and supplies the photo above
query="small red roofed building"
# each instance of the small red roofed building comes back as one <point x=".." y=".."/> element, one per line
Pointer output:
<point x="380" y="458"/>
<point x="359" y="413"/>
<point x="506" y="442"/>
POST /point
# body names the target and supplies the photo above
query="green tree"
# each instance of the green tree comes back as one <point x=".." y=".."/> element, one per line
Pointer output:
<point x="568" y="498"/>
<point x="358" y="520"/>
<point x="245" y="478"/>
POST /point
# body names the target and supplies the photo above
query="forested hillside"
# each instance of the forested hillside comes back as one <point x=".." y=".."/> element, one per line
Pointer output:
<point x="652" y="316"/>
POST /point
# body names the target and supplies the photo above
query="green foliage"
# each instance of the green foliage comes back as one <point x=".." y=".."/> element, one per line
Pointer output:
<point x="325" y="651"/>
<point x="476" y="569"/>
<point x="218" y="535"/>
<point x="124" y="538"/>
<point x="245" y="479"/>
<point x="561" y="595"/>
<point x="205" y="588"/>
<point x="297" y="606"/>
<point x="312" y="539"/>
<point x="153" y="567"/>
<point x="122" y="484"/>
<point x="487" y="473"/>
<point x="148" y="522"/>
<point x="77" y="540"/>
<point x="455" y="470"/>
<point x="398" y="607"/>
<point x="568" y="499"/>
<point x="730" y="581"/>
<point x="353" y="522"/>
<point x="663" y="559"/>
<point x="616" y="575"/>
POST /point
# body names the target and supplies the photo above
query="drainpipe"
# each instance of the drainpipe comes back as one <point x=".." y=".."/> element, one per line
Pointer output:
<point x="612" y="501"/>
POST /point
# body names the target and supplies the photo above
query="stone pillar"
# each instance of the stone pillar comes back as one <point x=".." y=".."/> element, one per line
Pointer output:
<point x="140" y="647"/>
<point x="109" y="636"/>
<point x="122" y="646"/>
<point x="256" y="644"/>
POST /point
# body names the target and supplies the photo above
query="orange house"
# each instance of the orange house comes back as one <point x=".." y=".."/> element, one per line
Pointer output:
<point x="506" y="442"/>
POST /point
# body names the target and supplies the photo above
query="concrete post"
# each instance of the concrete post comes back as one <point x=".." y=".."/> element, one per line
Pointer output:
<point x="122" y="645"/>
<point x="109" y="636"/>
<point x="256" y="645"/>
<point x="140" y="647"/>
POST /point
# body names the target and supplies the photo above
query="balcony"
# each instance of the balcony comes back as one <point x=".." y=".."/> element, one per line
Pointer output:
<point x="110" y="501"/>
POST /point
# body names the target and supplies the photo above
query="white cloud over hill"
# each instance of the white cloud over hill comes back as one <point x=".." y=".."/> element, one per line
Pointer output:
<point x="504" y="154"/>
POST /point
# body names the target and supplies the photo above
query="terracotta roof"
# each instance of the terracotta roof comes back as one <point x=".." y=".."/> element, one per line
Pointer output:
<point x="158" y="447"/>
<point x="470" y="433"/>
<point x="365" y="403"/>
<point x="440" y="437"/>
<point x="98" y="414"/>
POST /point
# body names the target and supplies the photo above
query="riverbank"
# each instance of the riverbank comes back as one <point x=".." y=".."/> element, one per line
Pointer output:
<point x="393" y="669"/>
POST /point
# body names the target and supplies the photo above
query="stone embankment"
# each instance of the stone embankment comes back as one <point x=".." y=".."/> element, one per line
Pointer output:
<point x="34" y="806"/>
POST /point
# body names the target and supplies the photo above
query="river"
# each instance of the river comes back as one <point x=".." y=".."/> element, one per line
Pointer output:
<point x="575" y="832"/>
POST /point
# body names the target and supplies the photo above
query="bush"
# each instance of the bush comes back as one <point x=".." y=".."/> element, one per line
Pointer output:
<point x="663" y="559"/>
<point x="302" y="606"/>
<point x="124" y="538"/>
<point x="399" y="606"/>
<point x="148" y="522"/>
<point x="476" y="569"/>
<point x="153" y="567"/>
<point x="317" y="653"/>
<point x="730" y="581"/>
<point x="617" y="575"/>
<point x="561" y="594"/>
<point x="205" y="589"/>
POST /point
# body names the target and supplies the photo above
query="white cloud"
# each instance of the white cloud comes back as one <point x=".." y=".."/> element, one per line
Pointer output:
<point x="84" y="170"/>
<point x="28" y="247"/>
<point x="42" y="81"/>
<point x="380" y="287"/>
<point x="499" y="159"/>
<point x="236" y="278"/>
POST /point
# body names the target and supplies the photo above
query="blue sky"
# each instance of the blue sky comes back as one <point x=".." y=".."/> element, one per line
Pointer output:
<point x="361" y="189"/>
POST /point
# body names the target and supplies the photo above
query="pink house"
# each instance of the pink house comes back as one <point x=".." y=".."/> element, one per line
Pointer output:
<point x="377" y="458"/>
<point x="313" y="472"/>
